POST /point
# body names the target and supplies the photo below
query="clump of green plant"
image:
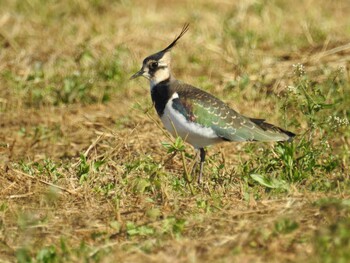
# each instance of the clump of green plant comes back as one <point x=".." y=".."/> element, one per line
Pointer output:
<point x="312" y="108"/>
<point x="332" y="242"/>
<point x="144" y="176"/>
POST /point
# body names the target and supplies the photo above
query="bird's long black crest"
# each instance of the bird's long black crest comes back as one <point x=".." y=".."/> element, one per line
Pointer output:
<point x="183" y="31"/>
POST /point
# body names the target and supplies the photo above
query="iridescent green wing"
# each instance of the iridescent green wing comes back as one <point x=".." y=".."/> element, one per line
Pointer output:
<point x="204" y="109"/>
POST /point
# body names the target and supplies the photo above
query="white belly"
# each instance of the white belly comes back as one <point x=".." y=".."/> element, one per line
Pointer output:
<point x="195" y="134"/>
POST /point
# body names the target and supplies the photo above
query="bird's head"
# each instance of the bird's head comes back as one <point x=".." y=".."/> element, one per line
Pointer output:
<point x="156" y="67"/>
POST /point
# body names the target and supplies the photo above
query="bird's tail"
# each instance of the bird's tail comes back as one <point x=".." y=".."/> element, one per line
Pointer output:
<point x="281" y="134"/>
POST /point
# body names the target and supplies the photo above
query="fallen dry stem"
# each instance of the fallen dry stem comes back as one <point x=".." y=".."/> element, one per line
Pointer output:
<point x="46" y="183"/>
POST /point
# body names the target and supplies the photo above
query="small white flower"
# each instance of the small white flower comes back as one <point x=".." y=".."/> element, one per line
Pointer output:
<point x="337" y="122"/>
<point x="292" y="89"/>
<point x="299" y="69"/>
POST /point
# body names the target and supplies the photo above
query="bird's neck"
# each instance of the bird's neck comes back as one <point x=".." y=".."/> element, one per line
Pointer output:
<point x="161" y="93"/>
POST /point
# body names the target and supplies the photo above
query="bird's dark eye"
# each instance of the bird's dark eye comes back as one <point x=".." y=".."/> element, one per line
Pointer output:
<point x="153" y="65"/>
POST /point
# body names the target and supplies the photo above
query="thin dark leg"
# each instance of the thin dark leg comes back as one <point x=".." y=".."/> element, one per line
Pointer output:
<point x="202" y="155"/>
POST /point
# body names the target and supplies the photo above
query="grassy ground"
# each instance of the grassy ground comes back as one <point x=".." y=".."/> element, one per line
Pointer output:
<point x="85" y="169"/>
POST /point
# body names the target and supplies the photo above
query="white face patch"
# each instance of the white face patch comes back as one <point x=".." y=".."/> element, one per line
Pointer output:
<point x="193" y="133"/>
<point x="160" y="75"/>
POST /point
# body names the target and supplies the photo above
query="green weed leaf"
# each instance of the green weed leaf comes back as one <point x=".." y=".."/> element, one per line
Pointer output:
<point x="269" y="182"/>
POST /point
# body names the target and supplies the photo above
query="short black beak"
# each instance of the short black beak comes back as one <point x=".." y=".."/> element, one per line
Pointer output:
<point x="137" y="74"/>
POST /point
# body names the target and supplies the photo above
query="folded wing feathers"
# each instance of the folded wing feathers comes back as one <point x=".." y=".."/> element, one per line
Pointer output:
<point x="274" y="132"/>
<point x="235" y="127"/>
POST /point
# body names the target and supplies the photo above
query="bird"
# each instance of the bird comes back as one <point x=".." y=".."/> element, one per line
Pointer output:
<point x="195" y="115"/>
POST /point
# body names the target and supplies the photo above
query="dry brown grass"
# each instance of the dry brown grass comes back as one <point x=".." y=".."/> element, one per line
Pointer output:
<point x="40" y="207"/>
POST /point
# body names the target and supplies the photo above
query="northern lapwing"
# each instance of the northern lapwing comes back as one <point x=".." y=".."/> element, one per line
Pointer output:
<point x="196" y="116"/>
